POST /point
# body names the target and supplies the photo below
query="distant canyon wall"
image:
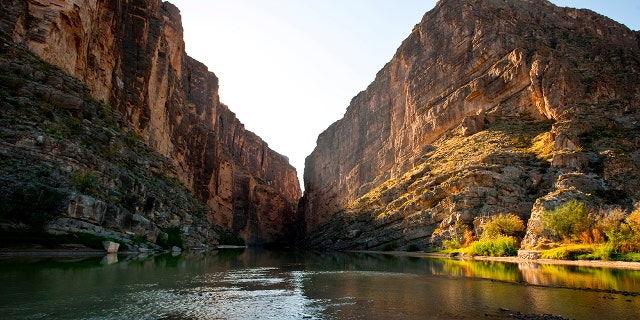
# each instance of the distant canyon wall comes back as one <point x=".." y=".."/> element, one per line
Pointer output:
<point x="131" y="54"/>
<point x="466" y="62"/>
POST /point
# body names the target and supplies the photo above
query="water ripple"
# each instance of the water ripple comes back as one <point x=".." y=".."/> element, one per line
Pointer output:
<point x="260" y="293"/>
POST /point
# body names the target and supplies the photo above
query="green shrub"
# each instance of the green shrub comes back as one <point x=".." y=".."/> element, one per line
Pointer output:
<point x="230" y="239"/>
<point x="500" y="246"/>
<point x="452" y="244"/>
<point x="391" y="246"/>
<point x="567" y="221"/>
<point x="34" y="204"/>
<point x="633" y="220"/>
<point x="412" y="248"/>
<point x="504" y="225"/>
<point x="172" y="237"/>
<point x="139" y="239"/>
<point x="85" y="183"/>
<point x="631" y="257"/>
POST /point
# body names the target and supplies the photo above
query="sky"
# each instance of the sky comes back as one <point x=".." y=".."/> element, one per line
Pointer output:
<point x="289" y="68"/>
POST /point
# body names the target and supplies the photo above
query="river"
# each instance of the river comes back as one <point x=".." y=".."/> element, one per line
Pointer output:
<point x="254" y="284"/>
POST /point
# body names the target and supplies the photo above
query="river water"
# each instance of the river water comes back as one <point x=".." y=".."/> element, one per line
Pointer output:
<point x="251" y="284"/>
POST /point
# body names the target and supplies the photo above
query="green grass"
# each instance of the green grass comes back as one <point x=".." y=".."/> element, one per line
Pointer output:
<point x="570" y="252"/>
<point x="603" y="252"/>
<point x="501" y="246"/>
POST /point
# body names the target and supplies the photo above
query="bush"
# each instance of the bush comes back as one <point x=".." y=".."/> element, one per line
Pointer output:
<point x="625" y="236"/>
<point x="451" y="244"/>
<point x="567" y="221"/>
<point x="501" y="246"/>
<point x="172" y="237"/>
<point x="631" y="257"/>
<point x="139" y="239"/>
<point x="468" y="238"/>
<point x="633" y="220"/>
<point x="504" y="225"/>
<point x="412" y="248"/>
<point x="230" y="239"/>
<point x="391" y="246"/>
<point x="34" y="204"/>
<point x="85" y="183"/>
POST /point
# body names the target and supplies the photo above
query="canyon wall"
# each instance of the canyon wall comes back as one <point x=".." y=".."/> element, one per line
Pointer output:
<point x="488" y="107"/>
<point x="131" y="55"/>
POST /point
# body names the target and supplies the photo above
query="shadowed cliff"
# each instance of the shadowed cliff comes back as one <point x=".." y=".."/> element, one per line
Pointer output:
<point x="131" y="56"/>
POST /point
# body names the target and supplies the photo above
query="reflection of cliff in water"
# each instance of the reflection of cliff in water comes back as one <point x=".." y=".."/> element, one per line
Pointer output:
<point x="580" y="277"/>
<point x="574" y="277"/>
<point x="241" y="284"/>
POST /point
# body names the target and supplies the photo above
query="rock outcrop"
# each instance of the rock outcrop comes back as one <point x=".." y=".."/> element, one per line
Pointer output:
<point x="131" y="55"/>
<point x="488" y="107"/>
<point x="71" y="165"/>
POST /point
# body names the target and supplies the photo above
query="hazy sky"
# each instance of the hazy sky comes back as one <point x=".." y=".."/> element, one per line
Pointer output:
<point x="289" y="68"/>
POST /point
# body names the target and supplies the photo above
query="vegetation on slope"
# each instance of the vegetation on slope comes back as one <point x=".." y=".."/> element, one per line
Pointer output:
<point x="58" y="144"/>
<point x="593" y="234"/>
<point x="507" y="160"/>
<point x="462" y="186"/>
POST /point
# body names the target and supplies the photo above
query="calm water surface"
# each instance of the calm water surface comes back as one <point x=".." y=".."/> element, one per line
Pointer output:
<point x="248" y="284"/>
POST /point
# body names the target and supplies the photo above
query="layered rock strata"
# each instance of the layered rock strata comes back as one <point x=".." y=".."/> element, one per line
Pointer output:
<point x="70" y="164"/>
<point x="131" y="55"/>
<point x="488" y="107"/>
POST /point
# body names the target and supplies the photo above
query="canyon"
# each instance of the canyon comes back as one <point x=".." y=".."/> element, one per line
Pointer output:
<point x="488" y="107"/>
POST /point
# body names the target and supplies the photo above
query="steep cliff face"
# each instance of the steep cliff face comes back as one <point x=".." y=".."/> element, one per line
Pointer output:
<point x="131" y="55"/>
<point x="488" y="107"/>
<point x="71" y="165"/>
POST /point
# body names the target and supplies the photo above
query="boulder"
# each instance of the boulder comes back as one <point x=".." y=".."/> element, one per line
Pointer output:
<point x="110" y="246"/>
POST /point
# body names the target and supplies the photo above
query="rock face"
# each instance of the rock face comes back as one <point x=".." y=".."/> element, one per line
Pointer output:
<point x="488" y="107"/>
<point x="71" y="165"/>
<point x="131" y="55"/>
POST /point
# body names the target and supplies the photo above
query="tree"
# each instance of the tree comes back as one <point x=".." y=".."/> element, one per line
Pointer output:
<point x="568" y="220"/>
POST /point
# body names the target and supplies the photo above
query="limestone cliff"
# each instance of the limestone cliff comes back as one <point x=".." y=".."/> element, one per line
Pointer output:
<point x="131" y="55"/>
<point x="488" y="107"/>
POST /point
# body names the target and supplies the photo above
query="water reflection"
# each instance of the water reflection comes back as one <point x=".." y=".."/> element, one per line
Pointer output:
<point x="244" y="284"/>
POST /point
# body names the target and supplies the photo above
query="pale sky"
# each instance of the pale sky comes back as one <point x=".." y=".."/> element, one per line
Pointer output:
<point x="289" y="68"/>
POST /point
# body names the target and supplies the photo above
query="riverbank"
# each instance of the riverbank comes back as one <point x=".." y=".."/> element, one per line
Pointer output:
<point x="581" y="263"/>
<point x="4" y="252"/>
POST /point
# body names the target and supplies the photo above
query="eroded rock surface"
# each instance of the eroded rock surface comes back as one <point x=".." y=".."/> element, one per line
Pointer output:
<point x="488" y="107"/>
<point x="131" y="55"/>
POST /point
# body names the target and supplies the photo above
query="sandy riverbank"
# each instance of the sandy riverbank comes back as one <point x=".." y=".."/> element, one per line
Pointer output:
<point x="584" y="263"/>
